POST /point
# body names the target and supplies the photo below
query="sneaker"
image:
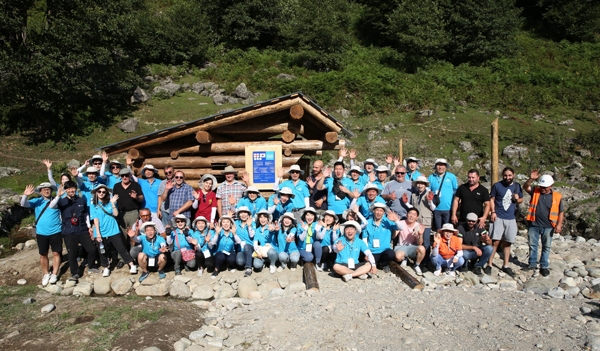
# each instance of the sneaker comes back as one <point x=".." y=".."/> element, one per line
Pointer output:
<point x="272" y="269"/>
<point x="418" y="270"/>
<point x="178" y="272"/>
<point x="293" y="269"/>
<point x="363" y="276"/>
<point x="437" y="272"/>
<point x="248" y="272"/>
<point x="187" y="269"/>
<point x="45" y="279"/>
<point x="133" y="269"/>
<point x="386" y="269"/>
<point x="162" y="275"/>
<point x="404" y="263"/>
<point x="279" y="269"/>
<point x="478" y="271"/>
<point x="319" y="267"/>
<point x="214" y="274"/>
<point x="451" y="273"/>
<point x="143" y="276"/>
<point x="488" y="270"/>
<point x="347" y="277"/>
<point x="120" y="264"/>
<point x="93" y="271"/>
<point x="529" y="269"/>
<point x="105" y="272"/>
<point x="53" y="279"/>
<point x="200" y="271"/>
<point x="544" y="272"/>
<point x="74" y="278"/>
<point x="508" y="271"/>
<point x="232" y="270"/>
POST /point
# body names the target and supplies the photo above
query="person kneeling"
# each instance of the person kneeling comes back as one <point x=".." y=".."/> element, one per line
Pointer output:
<point x="153" y="252"/>
<point x="447" y="250"/>
<point x="348" y="249"/>
<point x="410" y="242"/>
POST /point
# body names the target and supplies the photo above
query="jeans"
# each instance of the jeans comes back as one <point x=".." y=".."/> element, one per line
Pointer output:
<point x="271" y="256"/>
<point x="176" y="256"/>
<point x="292" y="258"/>
<point x="166" y="219"/>
<point x="244" y="258"/>
<point x="306" y="256"/>
<point x="534" y="233"/>
<point x="486" y="252"/>
<point x="440" y="262"/>
<point x="221" y="259"/>
<point x="440" y="218"/>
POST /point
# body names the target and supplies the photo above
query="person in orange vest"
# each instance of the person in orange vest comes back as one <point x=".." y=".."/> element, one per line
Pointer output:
<point x="545" y="217"/>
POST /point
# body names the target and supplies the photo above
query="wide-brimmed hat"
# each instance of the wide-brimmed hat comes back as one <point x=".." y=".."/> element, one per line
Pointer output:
<point x="355" y="169"/>
<point x="421" y="179"/>
<point x="411" y="159"/>
<point x="332" y="214"/>
<point x="546" y="181"/>
<point x="211" y="177"/>
<point x="346" y="213"/>
<point x="265" y="212"/>
<point x="288" y="215"/>
<point x="147" y="224"/>
<point x="381" y="169"/>
<point x="96" y="157"/>
<point x="295" y="168"/>
<point x="370" y="186"/>
<point x="124" y="171"/>
<point x="242" y="209"/>
<point x="101" y="186"/>
<point x="286" y="191"/>
<point x="150" y="167"/>
<point x="229" y="169"/>
<point x="447" y="226"/>
<point x="371" y="161"/>
<point x="225" y="216"/>
<point x="180" y="216"/>
<point x="441" y="160"/>
<point x="92" y="169"/>
<point x="352" y="224"/>
<point x="115" y="162"/>
<point x="45" y="185"/>
<point x="252" y="189"/>
<point x="200" y="218"/>
<point x="378" y="205"/>
<point x="311" y="210"/>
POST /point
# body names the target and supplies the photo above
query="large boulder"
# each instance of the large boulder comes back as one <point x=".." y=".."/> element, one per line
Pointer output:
<point x="179" y="290"/>
<point x="83" y="288"/>
<point x="514" y="151"/>
<point x="161" y="289"/>
<point x="102" y="285"/>
<point x="121" y="286"/>
<point x="242" y="92"/>
<point x="539" y="285"/>
<point x="129" y="125"/>
<point x="225" y="292"/>
<point x="139" y="95"/>
<point x="203" y="292"/>
<point x="246" y="286"/>
<point x="167" y="90"/>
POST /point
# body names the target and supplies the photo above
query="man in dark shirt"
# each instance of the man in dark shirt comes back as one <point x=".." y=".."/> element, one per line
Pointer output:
<point x="76" y="229"/>
<point x="130" y="201"/>
<point x="318" y="198"/>
<point x="471" y="197"/>
<point x="477" y="244"/>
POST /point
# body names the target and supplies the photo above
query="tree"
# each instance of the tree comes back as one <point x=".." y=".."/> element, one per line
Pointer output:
<point x="574" y="20"/>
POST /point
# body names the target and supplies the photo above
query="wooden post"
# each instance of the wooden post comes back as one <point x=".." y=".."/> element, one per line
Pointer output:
<point x="296" y="112"/>
<point x="401" y="150"/>
<point x="203" y="137"/>
<point x="288" y="136"/>
<point x="310" y="277"/>
<point x="405" y="276"/>
<point x="495" y="151"/>
<point x="331" y="137"/>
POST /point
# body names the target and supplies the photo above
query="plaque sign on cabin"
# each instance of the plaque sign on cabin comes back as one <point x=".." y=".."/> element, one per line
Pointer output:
<point x="262" y="163"/>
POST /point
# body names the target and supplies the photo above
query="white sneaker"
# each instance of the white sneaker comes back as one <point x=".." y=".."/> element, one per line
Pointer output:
<point x="347" y="277"/>
<point x="404" y="263"/>
<point x="105" y="272"/>
<point x="45" y="279"/>
<point x="279" y="269"/>
<point x="272" y="269"/>
<point x="53" y="279"/>
<point x="200" y="271"/>
<point x="437" y="272"/>
<point x="363" y="276"/>
<point x="233" y="270"/>
<point x="133" y="269"/>
<point x="418" y="270"/>
<point x="320" y="267"/>
<point x="293" y="269"/>
<point x="451" y="273"/>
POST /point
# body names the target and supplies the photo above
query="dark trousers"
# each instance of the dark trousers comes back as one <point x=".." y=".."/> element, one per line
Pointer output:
<point x="72" y="242"/>
<point x="328" y="256"/>
<point x="111" y="244"/>
<point x="221" y="259"/>
<point x="200" y="259"/>
<point x="383" y="259"/>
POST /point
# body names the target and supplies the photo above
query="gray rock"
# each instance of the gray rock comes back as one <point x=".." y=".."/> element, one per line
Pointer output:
<point x="508" y="284"/>
<point x="568" y="281"/>
<point x="8" y="171"/>
<point x="458" y="164"/>
<point x="140" y="95"/>
<point x="424" y="113"/>
<point x="232" y="100"/>
<point x="209" y="64"/>
<point x="167" y="90"/>
<point x="471" y="277"/>
<point x="230" y="279"/>
<point x="102" y="285"/>
<point x="283" y="281"/>
<point x="580" y="271"/>
<point x="246" y="286"/>
<point x="295" y="288"/>
<point x="198" y="87"/>
<point x="557" y="293"/>
<point x="83" y="288"/>
<point x="161" y="289"/>
<point x="53" y="289"/>
<point x="594" y="292"/>
<point x="196" y="336"/>
<point x="67" y="291"/>
<point x="219" y="99"/>
<point x="345" y="113"/>
<point x="580" y="239"/>
<point x="248" y="101"/>
<point x="179" y="346"/>
<point x="48" y="308"/>
<point x="185" y="87"/>
<point x="121" y="286"/>
<point x="242" y="92"/>
<point x="514" y="151"/>
<point x="593" y="272"/>
<point x="266" y="287"/>
<point x="568" y="122"/>
<point x="488" y="279"/>
<point x="573" y="291"/>
<point x="585" y="310"/>
<point x="465" y="146"/>
<point x="285" y="76"/>
<point x="129" y="125"/>
<point x="31" y="244"/>
<point x="203" y="292"/>
<point x="584" y="153"/>
<point x="276" y="292"/>
<point x="233" y="341"/>
<point x="225" y="292"/>
<point x="151" y="348"/>
<point x="539" y="285"/>
<point x="28" y="301"/>
<point x="179" y="290"/>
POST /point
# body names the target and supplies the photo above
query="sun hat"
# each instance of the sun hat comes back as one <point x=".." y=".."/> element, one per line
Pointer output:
<point x="229" y="169"/>
<point x="381" y="169"/>
<point x="147" y="224"/>
<point x="371" y="161"/>
<point x="115" y="162"/>
<point x="124" y="171"/>
<point x="286" y="191"/>
<point x="411" y="159"/>
<point x="208" y="176"/>
<point x="180" y="216"/>
<point x="546" y="181"/>
<point x="243" y="209"/>
<point x="472" y="217"/>
<point x="101" y="186"/>
<point x="346" y="213"/>
<point x="421" y="179"/>
<point x="378" y="205"/>
<point x="265" y="212"/>
<point x="441" y="160"/>
<point x="226" y="217"/>
<point x="252" y="189"/>
<point x="288" y="215"/>
<point x="350" y="223"/>
<point x="370" y="186"/>
<point x="295" y="168"/>
<point x="447" y="226"/>
<point x="355" y="169"/>
<point x="311" y="210"/>
<point x="45" y="185"/>
<point x="92" y="170"/>
<point x="148" y="167"/>
<point x="199" y="218"/>
<point x="96" y="157"/>
<point x="332" y="214"/>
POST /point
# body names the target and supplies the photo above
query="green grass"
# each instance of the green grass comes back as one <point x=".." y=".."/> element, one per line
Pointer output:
<point x="12" y="310"/>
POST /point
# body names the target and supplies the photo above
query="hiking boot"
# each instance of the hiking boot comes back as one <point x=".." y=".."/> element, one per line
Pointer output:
<point x="488" y="270"/>
<point x="74" y="278"/>
<point x="162" y="275"/>
<point x="544" y="272"/>
<point x="248" y="272"/>
<point x="478" y="271"/>
<point x="508" y="271"/>
<point x="143" y="276"/>
<point x="45" y="279"/>
<point x="418" y="270"/>
<point x="53" y="279"/>
<point x="347" y="277"/>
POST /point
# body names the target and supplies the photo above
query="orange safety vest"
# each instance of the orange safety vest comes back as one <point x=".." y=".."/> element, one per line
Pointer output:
<point x="554" y="209"/>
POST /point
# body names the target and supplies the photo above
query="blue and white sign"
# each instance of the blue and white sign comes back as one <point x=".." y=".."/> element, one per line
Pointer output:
<point x="263" y="167"/>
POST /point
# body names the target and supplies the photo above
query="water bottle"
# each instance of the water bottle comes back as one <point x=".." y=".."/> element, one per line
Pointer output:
<point x="101" y="247"/>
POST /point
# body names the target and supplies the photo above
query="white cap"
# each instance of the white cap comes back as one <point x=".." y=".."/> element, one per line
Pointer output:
<point x="546" y="181"/>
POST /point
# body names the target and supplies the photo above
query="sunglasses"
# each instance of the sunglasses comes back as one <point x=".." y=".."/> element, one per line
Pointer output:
<point x="125" y="176"/>
<point x="97" y="163"/>
<point x="114" y="167"/>
<point x="145" y="215"/>
<point x="294" y="172"/>
<point x="180" y="221"/>
<point x="169" y="172"/>
<point x="101" y="192"/>
<point x="178" y="177"/>
<point x="400" y="173"/>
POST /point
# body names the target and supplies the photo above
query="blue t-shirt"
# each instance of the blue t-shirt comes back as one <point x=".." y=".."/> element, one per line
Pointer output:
<point x="364" y="205"/>
<point x="243" y="233"/>
<point x="448" y="189"/>
<point x="262" y="235"/>
<point x="112" y="179"/>
<point x="254" y="206"/>
<point x="300" y="190"/>
<point x="358" y="185"/>
<point x="283" y="208"/>
<point x="336" y="204"/>
<point x="284" y="246"/>
<point x="107" y="222"/>
<point x="350" y="250"/>
<point x="152" y="247"/>
<point x="200" y="236"/>
<point x="330" y="237"/>
<point x="150" y="191"/>
<point x="87" y="186"/>
<point x="181" y="237"/>
<point x="225" y="243"/>
<point x="50" y="222"/>
<point x="381" y="232"/>
<point x="412" y="176"/>
<point x="502" y="197"/>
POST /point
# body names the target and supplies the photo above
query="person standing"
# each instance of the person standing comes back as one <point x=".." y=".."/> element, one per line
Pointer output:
<point x="301" y="197"/>
<point x="206" y="198"/>
<point x="47" y="228"/>
<point x="178" y="196"/>
<point x="229" y="192"/>
<point x="444" y="185"/>
<point x="471" y="197"/>
<point x="338" y="188"/>
<point x="149" y="184"/>
<point x="397" y="189"/>
<point x="545" y="217"/>
<point x="164" y="211"/>
<point x="131" y="198"/>
<point x="318" y="198"/>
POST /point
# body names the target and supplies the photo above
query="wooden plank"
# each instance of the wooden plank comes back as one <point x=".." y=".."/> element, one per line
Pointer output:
<point x="310" y="276"/>
<point x="231" y="147"/>
<point x="408" y="279"/>
<point x="319" y="116"/>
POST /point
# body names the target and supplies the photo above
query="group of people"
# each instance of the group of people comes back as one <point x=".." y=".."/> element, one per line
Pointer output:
<point x="353" y="220"/>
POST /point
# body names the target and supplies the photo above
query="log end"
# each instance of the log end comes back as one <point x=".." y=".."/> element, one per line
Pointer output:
<point x="288" y="136"/>
<point x="174" y="155"/>
<point x="287" y="152"/>
<point x="203" y="137"/>
<point x="331" y="137"/>
<point x="296" y="111"/>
